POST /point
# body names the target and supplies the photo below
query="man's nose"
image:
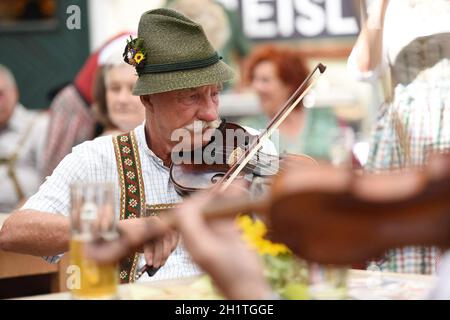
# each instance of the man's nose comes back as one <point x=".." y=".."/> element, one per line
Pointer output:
<point x="209" y="110"/>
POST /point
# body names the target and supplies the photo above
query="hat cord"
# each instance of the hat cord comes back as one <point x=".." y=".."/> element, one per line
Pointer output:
<point x="178" y="66"/>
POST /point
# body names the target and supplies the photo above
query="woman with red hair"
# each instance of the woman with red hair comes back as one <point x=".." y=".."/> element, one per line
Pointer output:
<point x="275" y="73"/>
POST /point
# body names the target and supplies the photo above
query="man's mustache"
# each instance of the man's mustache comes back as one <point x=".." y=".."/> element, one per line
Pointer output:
<point x="197" y="126"/>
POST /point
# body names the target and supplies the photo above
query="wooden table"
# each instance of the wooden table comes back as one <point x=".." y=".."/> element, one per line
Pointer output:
<point x="14" y="265"/>
<point x="361" y="285"/>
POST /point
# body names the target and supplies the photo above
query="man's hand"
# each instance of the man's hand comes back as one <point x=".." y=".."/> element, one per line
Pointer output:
<point x="217" y="248"/>
<point x="158" y="251"/>
<point x="133" y="234"/>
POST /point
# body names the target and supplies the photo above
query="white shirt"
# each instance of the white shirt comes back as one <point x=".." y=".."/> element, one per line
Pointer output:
<point x="29" y="165"/>
<point x="95" y="161"/>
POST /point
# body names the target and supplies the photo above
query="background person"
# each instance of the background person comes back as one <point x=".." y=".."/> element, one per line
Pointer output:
<point x="22" y="143"/>
<point x="116" y="108"/>
<point x="410" y="42"/>
<point x="274" y="73"/>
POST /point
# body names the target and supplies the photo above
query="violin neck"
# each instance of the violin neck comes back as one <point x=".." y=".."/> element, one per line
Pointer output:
<point x="224" y="208"/>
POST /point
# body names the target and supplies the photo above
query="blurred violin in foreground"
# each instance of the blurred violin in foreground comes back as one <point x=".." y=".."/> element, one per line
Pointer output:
<point x="332" y="216"/>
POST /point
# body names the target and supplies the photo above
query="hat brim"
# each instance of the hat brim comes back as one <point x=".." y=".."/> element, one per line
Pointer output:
<point x="177" y="80"/>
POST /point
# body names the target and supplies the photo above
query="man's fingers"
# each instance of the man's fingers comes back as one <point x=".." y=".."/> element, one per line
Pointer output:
<point x="174" y="238"/>
<point x="106" y="252"/>
<point x="168" y="246"/>
<point x="149" y="253"/>
<point x="158" y="253"/>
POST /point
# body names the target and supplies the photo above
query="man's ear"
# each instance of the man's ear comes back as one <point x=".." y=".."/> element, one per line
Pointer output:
<point x="147" y="102"/>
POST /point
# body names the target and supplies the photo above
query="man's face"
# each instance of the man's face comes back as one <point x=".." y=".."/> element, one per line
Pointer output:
<point x="179" y="109"/>
<point x="8" y="99"/>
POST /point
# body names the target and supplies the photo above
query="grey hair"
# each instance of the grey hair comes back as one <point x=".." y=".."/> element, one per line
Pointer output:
<point x="8" y="74"/>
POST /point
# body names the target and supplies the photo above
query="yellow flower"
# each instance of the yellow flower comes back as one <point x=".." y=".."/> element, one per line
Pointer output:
<point x="253" y="233"/>
<point x="138" y="57"/>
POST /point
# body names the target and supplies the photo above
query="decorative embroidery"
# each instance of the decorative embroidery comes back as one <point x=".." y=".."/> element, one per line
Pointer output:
<point x="133" y="203"/>
<point x="126" y="150"/>
<point x="132" y="189"/>
<point x="123" y="275"/>
<point x="132" y="195"/>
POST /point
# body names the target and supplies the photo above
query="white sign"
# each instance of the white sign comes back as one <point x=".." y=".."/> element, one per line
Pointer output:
<point x="290" y="19"/>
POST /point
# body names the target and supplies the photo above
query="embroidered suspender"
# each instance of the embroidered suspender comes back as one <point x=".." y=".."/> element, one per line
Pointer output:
<point x="132" y="194"/>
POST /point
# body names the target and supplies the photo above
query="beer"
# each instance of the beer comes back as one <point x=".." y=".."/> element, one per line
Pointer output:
<point x="96" y="281"/>
<point x="92" y="215"/>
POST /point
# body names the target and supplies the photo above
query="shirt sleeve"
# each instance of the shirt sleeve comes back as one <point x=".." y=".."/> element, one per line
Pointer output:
<point x="54" y="194"/>
<point x="379" y="70"/>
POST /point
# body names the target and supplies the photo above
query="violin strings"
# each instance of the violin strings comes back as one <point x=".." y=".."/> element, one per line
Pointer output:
<point x="268" y="169"/>
<point x="269" y="158"/>
<point x="261" y="155"/>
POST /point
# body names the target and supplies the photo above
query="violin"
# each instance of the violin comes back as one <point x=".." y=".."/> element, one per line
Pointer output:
<point x="233" y="153"/>
<point x="219" y="155"/>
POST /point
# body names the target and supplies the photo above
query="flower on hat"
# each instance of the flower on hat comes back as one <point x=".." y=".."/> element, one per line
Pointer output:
<point x="138" y="57"/>
<point x="134" y="53"/>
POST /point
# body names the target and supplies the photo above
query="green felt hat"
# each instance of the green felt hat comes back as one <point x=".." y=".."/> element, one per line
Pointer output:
<point x="177" y="54"/>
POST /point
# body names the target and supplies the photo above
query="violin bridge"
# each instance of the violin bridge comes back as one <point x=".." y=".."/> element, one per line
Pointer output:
<point x="234" y="156"/>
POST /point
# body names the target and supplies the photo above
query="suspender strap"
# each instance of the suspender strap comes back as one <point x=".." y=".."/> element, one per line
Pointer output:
<point x="132" y="194"/>
<point x="10" y="162"/>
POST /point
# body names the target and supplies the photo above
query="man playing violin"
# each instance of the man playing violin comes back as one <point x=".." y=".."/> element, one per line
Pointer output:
<point x="180" y="78"/>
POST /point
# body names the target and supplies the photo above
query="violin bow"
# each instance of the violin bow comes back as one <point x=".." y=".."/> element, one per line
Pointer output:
<point x="277" y="120"/>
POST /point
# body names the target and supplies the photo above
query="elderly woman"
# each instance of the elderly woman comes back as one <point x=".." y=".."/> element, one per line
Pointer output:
<point x="116" y="108"/>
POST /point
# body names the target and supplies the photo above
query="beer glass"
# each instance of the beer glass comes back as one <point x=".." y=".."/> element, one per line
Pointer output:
<point x="92" y="217"/>
<point x="327" y="282"/>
